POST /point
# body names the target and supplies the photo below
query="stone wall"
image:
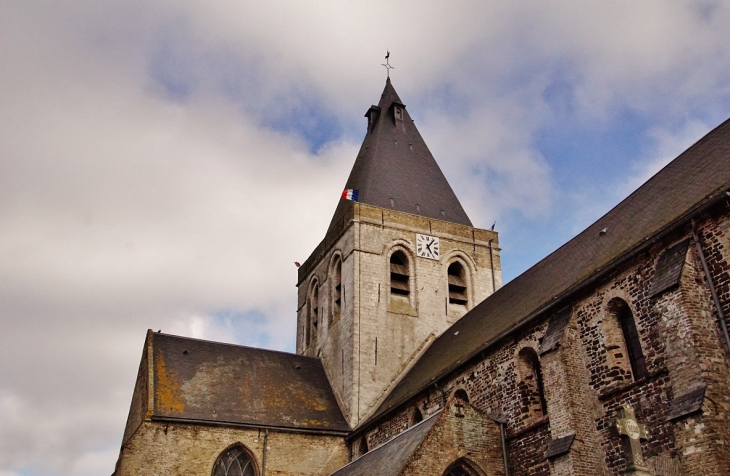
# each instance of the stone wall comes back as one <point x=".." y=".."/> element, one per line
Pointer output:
<point x="379" y="335"/>
<point x="179" y="449"/>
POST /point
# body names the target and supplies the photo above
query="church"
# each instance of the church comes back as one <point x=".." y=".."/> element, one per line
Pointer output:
<point x="611" y="356"/>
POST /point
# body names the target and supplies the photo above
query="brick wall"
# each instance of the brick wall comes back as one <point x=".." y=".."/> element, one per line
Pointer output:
<point x="586" y="381"/>
<point x="461" y="432"/>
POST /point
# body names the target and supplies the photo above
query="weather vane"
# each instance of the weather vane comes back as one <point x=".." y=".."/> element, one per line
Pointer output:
<point x="387" y="65"/>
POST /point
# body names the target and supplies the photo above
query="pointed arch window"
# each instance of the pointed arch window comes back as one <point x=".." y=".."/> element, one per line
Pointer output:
<point x="457" y="284"/>
<point x="235" y="461"/>
<point x="399" y="275"/>
<point x="362" y="446"/>
<point x="623" y="344"/>
<point x="530" y="386"/>
<point x="464" y="467"/>
<point x="462" y="395"/>
<point x="417" y="416"/>
<point x="336" y="289"/>
<point x="633" y="343"/>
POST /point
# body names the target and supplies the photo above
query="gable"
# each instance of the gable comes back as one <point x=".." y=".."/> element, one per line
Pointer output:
<point x="390" y="457"/>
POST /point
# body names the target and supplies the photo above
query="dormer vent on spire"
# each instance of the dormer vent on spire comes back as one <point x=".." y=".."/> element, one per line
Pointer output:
<point x="394" y="168"/>
<point x="398" y="111"/>
<point x="372" y="116"/>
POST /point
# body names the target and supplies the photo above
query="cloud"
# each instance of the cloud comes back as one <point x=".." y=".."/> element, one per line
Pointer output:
<point x="666" y="145"/>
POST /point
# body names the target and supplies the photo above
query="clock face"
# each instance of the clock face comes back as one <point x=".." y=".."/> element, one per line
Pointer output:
<point x="427" y="246"/>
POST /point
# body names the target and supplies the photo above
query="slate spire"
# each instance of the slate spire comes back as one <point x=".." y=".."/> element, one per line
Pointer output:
<point x="394" y="168"/>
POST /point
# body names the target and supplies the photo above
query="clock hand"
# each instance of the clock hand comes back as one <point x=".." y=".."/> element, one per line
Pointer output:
<point x="428" y="247"/>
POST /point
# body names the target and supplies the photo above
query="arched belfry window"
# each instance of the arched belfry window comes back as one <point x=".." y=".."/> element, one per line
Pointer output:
<point x="530" y="384"/>
<point x="336" y="289"/>
<point x="622" y="339"/>
<point x="235" y="461"/>
<point x="457" y="284"/>
<point x="313" y="313"/>
<point x="399" y="276"/>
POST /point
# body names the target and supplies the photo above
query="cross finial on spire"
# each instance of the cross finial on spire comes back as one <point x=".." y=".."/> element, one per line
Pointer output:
<point x="387" y="65"/>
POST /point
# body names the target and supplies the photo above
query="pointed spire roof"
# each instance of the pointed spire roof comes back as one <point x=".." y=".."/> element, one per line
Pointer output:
<point x="394" y="168"/>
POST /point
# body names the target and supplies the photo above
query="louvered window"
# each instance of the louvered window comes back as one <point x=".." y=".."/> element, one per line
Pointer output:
<point x="336" y="290"/>
<point x="234" y="462"/>
<point x="314" y="313"/>
<point x="457" y="284"/>
<point x="399" y="278"/>
<point x="633" y="342"/>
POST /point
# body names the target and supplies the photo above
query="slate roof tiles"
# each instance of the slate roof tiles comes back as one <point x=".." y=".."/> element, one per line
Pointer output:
<point x="394" y="163"/>
<point x="224" y="383"/>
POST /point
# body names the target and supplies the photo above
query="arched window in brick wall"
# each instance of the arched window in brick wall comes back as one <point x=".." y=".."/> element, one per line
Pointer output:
<point x="530" y="385"/>
<point x="400" y="284"/>
<point x="362" y="447"/>
<point x="336" y="289"/>
<point x="623" y="344"/>
<point x="462" y="395"/>
<point x="417" y="416"/>
<point x="458" y="293"/>
<point x="235" y="461"/>
<point x="464" y="467"/>
<point x="313" y="314"/>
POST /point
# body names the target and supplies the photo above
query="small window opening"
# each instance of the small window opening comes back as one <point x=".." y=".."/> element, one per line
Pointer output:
<point x="399" y="278"/>
<point x="336" y="290"/>
<point x="457" y="284"/>
<point x="417" y="416"/>
<point x="532" y="391"/>
<point x="462" y="395"/>
<point x="633" y="342"/>
<point x="363" y="446"/>
<point x="398" y="113"/>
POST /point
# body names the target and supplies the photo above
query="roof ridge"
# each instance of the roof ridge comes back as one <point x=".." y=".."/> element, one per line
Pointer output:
<point x="241" y="346"/>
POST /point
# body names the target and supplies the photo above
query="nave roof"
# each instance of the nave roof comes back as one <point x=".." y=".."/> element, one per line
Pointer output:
<point x="698" y="176"/>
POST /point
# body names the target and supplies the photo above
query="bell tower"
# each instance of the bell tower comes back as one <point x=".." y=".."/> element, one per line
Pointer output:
<point x="399" y="263"/>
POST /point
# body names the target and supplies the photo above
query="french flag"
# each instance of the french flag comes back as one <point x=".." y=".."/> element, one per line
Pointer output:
<point x="350" y="194"/>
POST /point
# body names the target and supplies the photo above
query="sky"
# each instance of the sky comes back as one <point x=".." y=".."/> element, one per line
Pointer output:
<point x="163" y="164"/>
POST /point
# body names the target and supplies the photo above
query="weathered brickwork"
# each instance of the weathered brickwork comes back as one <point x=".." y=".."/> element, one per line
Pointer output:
<point x="589" y="375"/>
<point x="715" y="237"/>
<point x="527" y="451"/>
<point x="461" y="432"/>
<point x="181" y="450"/>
